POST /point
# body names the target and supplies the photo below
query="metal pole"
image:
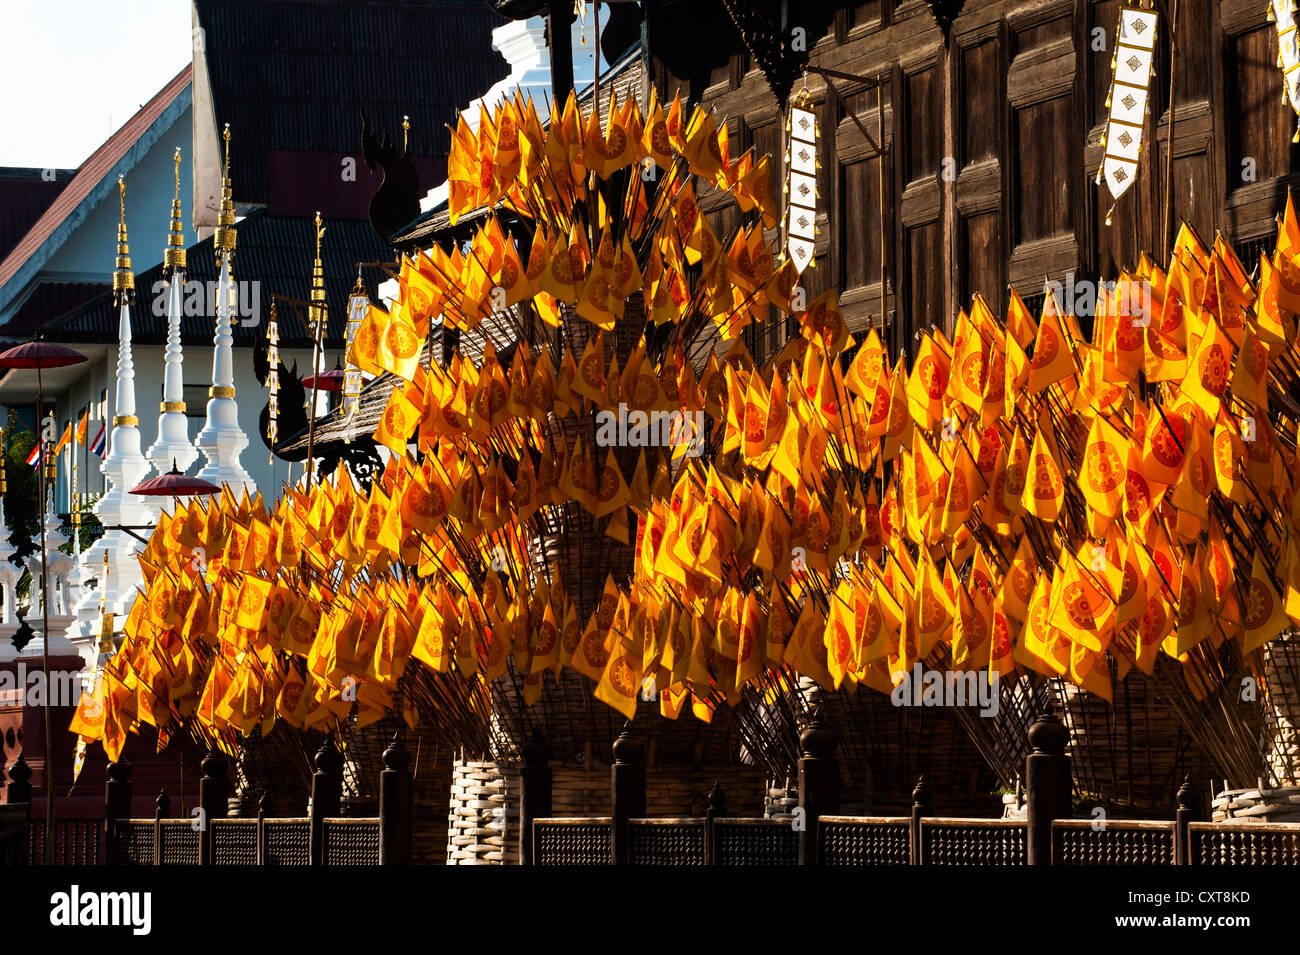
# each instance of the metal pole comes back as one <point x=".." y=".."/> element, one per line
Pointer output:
<point x="559" y="16"/>
<point x="880" y="162"/>
<point x="1169" y="146"/>
<point x="311" y="408"/>
<point x="45" y="632"/>
<point x="595" y="67"/>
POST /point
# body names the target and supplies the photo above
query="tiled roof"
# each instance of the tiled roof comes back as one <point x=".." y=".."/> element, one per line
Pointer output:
<point x="48" y="301"/>
<point x="24" y="195"/>
<point x="101" y="162"/>
<point x="272" y="250"/>
<point x="624" y="78"/>
<point x="296" y="74"/>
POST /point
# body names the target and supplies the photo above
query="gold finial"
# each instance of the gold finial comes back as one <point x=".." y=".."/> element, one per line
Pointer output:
<point x="174" y="254"/>
<point x="123" y="277"/>
<point x="318" y="280"/>
<point x="406" y="129"/>
<point x="223" y="240"/>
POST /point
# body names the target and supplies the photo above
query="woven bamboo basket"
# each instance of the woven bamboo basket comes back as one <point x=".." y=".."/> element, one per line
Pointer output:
<point x="882" y="749"/>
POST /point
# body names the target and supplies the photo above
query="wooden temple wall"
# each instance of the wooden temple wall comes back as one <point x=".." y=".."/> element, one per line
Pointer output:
<point x="991" y="142"/>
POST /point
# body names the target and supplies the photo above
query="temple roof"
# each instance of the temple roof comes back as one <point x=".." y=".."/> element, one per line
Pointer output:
<point x="293" y="75"/>
<point x="275" y="251"/>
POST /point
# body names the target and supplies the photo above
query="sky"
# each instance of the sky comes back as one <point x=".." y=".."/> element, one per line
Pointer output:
<point x="73" y="71"/>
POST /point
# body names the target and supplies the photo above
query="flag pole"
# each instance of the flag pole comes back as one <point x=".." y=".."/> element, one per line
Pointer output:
<point x="48" y="845"/>
<point x="1169" y="144"/>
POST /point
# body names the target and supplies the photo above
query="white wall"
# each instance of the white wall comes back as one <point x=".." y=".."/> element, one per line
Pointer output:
<point x="88" y="253"/>
<point x="98" y="378"/>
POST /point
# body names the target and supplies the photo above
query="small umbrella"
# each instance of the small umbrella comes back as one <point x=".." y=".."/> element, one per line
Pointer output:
<point x="41" y="354"/>
<point x="175" y="484"/>
<point x="331" y="380"/>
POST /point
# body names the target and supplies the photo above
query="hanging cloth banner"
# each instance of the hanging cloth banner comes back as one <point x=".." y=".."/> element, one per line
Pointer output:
<point x="1282" y="13"/>
<point x="273" y="377"/>
<point x="358" y="305"/>
<point x="1130" y="82"/>
<point x="801" y="188"/>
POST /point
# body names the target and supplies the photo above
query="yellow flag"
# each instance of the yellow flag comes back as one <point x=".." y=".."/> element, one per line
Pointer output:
<point x="1044" y="488"/>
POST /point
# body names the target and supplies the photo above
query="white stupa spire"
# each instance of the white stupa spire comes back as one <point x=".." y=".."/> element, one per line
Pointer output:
<point x="56" y="589"/>
<point x="173" y="445"/>
<point x="222" y="439"/>
<point x="123" y="468"/>
<point x="9" y="575"/>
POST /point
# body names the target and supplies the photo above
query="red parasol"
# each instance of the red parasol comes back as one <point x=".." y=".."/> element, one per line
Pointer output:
<point x="174" y="484"/>
<point x="331" y="380"/>
<point x="39" y="354"/>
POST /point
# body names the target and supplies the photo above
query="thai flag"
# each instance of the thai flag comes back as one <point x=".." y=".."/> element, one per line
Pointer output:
<point x="34" y="456"/>
<point x="98" y="444"/>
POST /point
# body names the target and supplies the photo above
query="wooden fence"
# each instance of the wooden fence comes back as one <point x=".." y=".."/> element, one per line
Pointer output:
<point x="816" y="834"/>
<point x="209" y="837"/>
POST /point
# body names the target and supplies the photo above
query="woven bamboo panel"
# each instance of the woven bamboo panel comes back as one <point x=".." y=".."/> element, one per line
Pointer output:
<point x="351" y="841"/>
<point x="670" y="841"/>
<point x="234" y="842"/>
<point x="882" y="750"/>
<point x="135" y="842"/>
<point x="756" y="842"/>
<point x="1084" y="842"/>
<point x="483" y="817"/>
<point x="1244" y="844"/>
<point x="973" y="842"/>
<point x="584" y="841"/>
<point x="848" y="840"/>
<point x="1130" y="757"/>
<point x="178" y="842"/>
<point x="1257" y="804"/>
<point x="1282" y="707"/>
<point x="287" y="842"/>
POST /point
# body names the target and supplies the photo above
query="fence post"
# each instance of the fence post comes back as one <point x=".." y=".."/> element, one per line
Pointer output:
<point x="534" y="792"/>
<point x="213" y="804"/>
<point x="819" y="782"/>
<point x="628" y="778"/>
<point x="1047" y="784"/>
<point x="262" y="802"/>
<point x="395" y="805"/>
<point x="1189" y="811"/>
<point x="20" y="792"/>
<point x="117" y="806"/>
<point x="20" y="783"/>
<point x="717" y="809"/>
<point x="162" y="809"/>
<point x="326" y="795"/>
<point x="922" y="800"/>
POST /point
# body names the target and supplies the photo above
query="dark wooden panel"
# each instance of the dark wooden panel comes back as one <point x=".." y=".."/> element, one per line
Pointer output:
<point x="1096" y="63"/>
<point x="827" y="117"/>
<point x="1041" y="34"/>
<point x="1259" y="124"/>
<point x="864" y="14"/>
<point x="981" y="101"/>
<point x="922" y="122"/>
<point x="1046" y="148"/>
<point x="923" y="275"/>
<point x="767" y="142"/>
<point x="982" y="263"/>
<point x="859" y="216"/>
<point x="1117" y="243"/>
<point x="1194" y="61"/>
<point x="1192" y="200"/>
